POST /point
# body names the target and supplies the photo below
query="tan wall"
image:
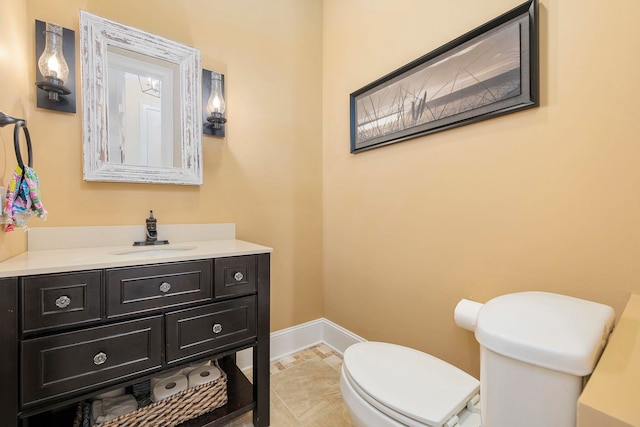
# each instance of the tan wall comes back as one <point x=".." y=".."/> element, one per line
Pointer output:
<point x="545" y="199"/>
<point x="265" y="176"/>
<point x="13" y="75"/>
<point x="542" y="199"/>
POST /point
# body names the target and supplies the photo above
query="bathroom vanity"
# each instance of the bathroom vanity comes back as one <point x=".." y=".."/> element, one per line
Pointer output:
<point x="78" y="321"/>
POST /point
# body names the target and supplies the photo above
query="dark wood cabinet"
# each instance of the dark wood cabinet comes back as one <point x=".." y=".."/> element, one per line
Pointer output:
<point x="66" y="336"/>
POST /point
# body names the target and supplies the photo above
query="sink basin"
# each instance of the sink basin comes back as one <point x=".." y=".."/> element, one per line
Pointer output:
<point x="144" y="251"/>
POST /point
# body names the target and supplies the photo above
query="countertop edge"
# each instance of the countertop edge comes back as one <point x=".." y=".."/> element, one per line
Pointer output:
<point x="49" y="261"/>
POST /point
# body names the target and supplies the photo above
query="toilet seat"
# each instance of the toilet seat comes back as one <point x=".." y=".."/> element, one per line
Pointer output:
<point x="409" y="386"/>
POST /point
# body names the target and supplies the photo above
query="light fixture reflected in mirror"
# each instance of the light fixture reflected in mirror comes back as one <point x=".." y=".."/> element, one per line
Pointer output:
<point x="55" y="71"/>
<point x="214" y="105"/>
<point x="150" y="86"/>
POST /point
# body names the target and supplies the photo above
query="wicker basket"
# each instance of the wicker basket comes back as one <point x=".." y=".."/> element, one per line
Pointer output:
<point x="181" y="407"/>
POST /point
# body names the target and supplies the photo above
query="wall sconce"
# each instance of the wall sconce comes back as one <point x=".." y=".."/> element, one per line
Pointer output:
<point x="55" y="67"/>
<point x="213" y="107"/>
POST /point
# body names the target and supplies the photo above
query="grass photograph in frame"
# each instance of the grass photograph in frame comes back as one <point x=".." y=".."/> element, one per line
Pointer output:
<point x="487" y="72"/>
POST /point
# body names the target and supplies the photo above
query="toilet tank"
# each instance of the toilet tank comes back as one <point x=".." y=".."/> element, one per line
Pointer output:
<point x="535" y="350"/>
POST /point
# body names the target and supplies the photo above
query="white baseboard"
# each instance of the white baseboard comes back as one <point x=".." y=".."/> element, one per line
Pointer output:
<point x="305" y="335"/>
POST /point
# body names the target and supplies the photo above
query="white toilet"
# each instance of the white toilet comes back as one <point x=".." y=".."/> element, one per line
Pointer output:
<point x="536" y="348"/>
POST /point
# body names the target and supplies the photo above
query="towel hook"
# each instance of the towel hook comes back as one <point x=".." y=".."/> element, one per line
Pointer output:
<point x="6" y="119"/>
<point x="16" y="143"/>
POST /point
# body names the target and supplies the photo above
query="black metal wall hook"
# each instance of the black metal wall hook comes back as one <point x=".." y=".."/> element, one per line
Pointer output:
<point x="6" y="119"/>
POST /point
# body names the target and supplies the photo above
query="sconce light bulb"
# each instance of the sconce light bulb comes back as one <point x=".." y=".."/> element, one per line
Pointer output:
<point x="54" y="66"/>
<point x="216" y="103"/>
<point x="51" y="63"/>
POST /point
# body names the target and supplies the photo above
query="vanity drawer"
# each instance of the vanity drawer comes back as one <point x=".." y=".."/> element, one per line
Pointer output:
<point x="235" y="276"/>
<point x="204" y="329"/>
<point x="59" y="364"/>
<point x="149" y="288"/>
<point x="57" y="300"/>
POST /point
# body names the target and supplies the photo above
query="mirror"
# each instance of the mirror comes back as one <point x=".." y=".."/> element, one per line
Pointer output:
<point x="142" y="104"/>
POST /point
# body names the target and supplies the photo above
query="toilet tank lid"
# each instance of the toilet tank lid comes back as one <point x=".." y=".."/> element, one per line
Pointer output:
<point x="553" y="331"/>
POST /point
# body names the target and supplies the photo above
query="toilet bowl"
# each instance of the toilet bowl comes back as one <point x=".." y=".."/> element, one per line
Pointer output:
<point x="536" y="349"/>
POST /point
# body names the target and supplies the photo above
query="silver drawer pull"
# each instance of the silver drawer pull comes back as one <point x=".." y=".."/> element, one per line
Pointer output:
<point x="99" y="358"/>
<point x="165" y="287"/>
<point x="63" y="301"/>
<point x="238" y="276"/>
<point x="217" y="328"/>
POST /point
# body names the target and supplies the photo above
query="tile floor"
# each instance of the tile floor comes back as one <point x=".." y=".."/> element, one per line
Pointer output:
<point x="305" y="391"/>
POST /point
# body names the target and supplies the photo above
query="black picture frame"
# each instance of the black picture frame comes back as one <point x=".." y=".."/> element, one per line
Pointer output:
<point x="487" y="72"/>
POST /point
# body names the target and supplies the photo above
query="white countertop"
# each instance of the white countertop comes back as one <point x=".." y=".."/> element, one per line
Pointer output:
<point x="54" y="254"/>
<point x="62" y="260"/>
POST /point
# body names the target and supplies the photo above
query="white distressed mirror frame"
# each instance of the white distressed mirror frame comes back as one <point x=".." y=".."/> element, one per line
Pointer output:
<point x="96" y="34"/>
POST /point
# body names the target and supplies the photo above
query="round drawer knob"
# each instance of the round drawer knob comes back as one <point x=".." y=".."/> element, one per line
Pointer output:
<point x="217" y="328"/>
<point x="63" y="302"/>
<point x="238" y="276"/>
<point x="99" y="358"/>
<point x="165" y="287"/>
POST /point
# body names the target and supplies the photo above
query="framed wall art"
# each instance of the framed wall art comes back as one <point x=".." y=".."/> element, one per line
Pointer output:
<point x="490" y="71"/>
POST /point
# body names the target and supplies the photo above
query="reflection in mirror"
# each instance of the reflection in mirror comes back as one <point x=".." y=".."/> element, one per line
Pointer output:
<point x="141" y="125"/>
<point x="148" y="129"/>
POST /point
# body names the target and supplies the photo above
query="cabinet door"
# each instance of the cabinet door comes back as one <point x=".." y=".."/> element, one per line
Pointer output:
<point x="145" y="289"/>
<point x="60" y="364"/>
<point x="55" y="300"/>
<point x="212" y="327"/>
